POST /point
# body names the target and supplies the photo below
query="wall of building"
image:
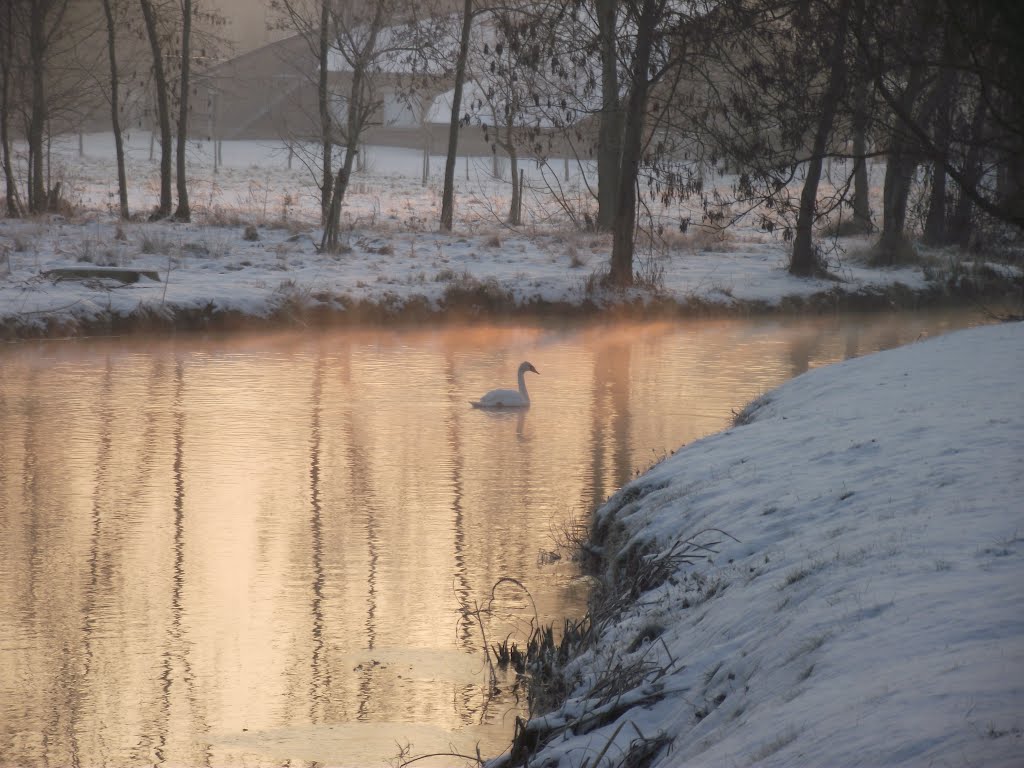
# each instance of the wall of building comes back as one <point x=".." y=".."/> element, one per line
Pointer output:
<point x="250" y="24"/>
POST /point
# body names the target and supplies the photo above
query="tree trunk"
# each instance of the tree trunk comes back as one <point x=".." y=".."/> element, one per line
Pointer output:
<point x="901" y="162"/>
<point x="358" y="112"/>
<point x="425" y="177"/>
<point x="624" y="221"/>
<point x="329" y="242"/>
<point x="37" y="197"/>
<point x="861" y="184"/>
<point x="183" y="213"/>
<point x="326" y="121"/>
<point x="804" y="261"/>
<point x="610" y="119"/>
<point x="163" y="109"/>
<point x="899" y="172"/>
<point x="861" y="204"/>
<point x="1009" y="171"/>
<point x="935" y="221"/>
<point x="13" y="203"/>
<point x="960" y="227"/>
<point x="115" y="113"/>
<point x="515" y="209"/>
<point x="859" y="129"/>
<point x="1010" y="179"/>
<point x="448" y="193"/>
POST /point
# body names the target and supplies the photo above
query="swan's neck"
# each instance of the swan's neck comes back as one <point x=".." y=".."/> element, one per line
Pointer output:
<point x="522" y="386"/>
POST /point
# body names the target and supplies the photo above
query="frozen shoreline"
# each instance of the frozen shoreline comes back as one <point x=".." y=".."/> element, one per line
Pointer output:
<point x="869" y="609"/>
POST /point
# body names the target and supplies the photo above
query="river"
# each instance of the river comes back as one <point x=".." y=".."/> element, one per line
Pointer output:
<point x="282" y="549"/>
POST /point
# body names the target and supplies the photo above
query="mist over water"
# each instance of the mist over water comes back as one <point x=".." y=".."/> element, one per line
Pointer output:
<point x="245" y="550"/>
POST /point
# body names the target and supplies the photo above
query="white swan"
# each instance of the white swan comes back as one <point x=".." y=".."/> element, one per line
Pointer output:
<point x="508" y="398"/>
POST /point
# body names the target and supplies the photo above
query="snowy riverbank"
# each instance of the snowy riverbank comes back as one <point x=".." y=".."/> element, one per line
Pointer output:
<point x="68" y="278"/>
<point x="249" y="259"/>
<point x="866" y="602"/>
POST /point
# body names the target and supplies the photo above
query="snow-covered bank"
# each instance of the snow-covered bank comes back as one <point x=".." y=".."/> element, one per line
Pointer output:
<point x="870" y="610"/>
<point x="223" y="277"/>
<point x="250" y="257"/>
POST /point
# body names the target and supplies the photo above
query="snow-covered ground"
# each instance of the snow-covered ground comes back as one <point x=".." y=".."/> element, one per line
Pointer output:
<point x="393" y="254"/>
<point x="865" y="605"/>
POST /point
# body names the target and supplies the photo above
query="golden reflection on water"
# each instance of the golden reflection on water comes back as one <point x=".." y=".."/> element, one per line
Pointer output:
<point x="258" y="549"/>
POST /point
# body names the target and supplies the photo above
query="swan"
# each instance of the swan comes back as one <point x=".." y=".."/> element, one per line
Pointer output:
<point x="508" y="398"/>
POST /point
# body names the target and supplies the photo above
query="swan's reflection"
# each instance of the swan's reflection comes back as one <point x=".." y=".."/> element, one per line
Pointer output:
<point x="507" y="415"/>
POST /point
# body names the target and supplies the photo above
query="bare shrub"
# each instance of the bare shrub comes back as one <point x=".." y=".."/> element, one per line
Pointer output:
<point x="291" y="300"/>
<point x="747" y="414"/>
<point x="569" y="536"/>
<point x="694" y="238"/>
<point x="155" y="241"/>
<point x="847" y="227"/>
<point x="217" y="247"/>
<point x="650" y="273"/>
<point x="448" y="274"/>
<point x="468" y="292"/>
<point x="594" y="283"/>
<point x="92" y="251"/>
<point x="224" y="216"/>
<point x="899" y="252"/>
<point x="575" y="260"/>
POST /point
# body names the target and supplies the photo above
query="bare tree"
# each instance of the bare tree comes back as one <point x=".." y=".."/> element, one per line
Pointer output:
<point x="587" y="49"/>
<point x="313" y="21"/>
<point x="914" y="58"/>
<point x="163" y="106"/>
<point x="44" y="24"/>
<point x="353" y="45"/>
<point x="448" y="191"/>
<point x="581" y="77"/>
<point x="651" y="42"/>
<point x="620" y="61"/>
<point x="323" y="37"/>
<point x="804" y="261"/>
<point x="115" y="108"/>
<point x="7" y="104"/>
<point x="611" y="117"/>
<point x="506" y="100"/>
<point x="859" y="121"/>
<point x="357" y="41"/>
<point x="182" y="213"/>
<point x="935" y="220"/>
<point x="773" y="102"/>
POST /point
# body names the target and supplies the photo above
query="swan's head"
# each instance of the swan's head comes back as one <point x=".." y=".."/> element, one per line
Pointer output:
<point x="528" y="367"/>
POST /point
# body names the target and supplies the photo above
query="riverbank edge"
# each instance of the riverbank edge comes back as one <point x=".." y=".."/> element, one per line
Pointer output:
<point x="488" y="302"/>
<point x="621" y="570"/>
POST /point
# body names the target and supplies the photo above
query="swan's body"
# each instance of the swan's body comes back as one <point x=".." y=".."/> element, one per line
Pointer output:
<point x="508" y="398"/>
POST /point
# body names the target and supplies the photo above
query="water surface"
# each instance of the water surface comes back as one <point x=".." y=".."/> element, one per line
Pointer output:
<point x="269" y="549"/>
